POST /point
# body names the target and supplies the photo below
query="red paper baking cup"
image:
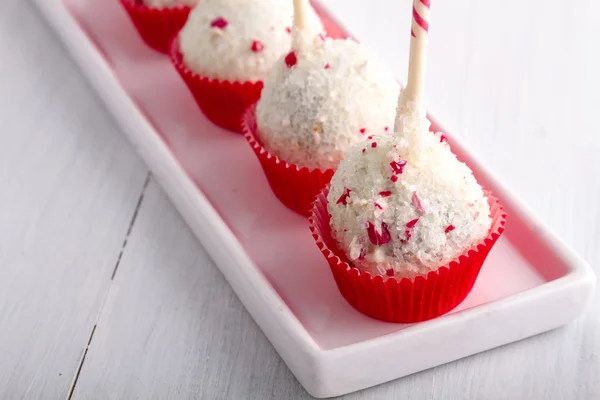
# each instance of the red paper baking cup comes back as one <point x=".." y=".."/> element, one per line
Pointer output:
<point x="157" y="26"/>
<point x="406" y="300"/>
<point x="294" y="186"/>
<point x="222" y="102"/>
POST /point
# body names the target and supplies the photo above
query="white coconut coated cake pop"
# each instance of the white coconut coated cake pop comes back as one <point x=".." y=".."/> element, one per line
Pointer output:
<point x="239" y="40"/>
<point x="169" y="3"/>
<point x="404" y="205"/>
<point x="321" y="99"/>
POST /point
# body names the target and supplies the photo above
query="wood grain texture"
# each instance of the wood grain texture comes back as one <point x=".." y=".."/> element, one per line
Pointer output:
<point x="172" y="328"/>
<point x="69" y="184"/>
<point x="517" y="80"/>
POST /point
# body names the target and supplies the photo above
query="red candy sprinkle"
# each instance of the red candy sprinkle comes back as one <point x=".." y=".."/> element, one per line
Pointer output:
<point x="219" y="22"/>
<point x="411" y="224"/>
<point x="398" y="166"/>
<point x="290" y="59"/>
<point x="257" y="46"/>
<point x="321" y="36"/>
<point x="450" y="228"/>
<point x="476" y="215"/>
<point x="394" y="178"/>
<point x="344" y="197"/>
<point x="288" y="29"/>
<point x="379" y="238"/>
<point x="443" y="139"/>
<point x="374" y="144"/>
<point x="389" y="272"/>
<point x="370" y="137"/>
<point x="363" y="130"/>
<point x="327" y="66"/>
<point x="364" y="150"/>
<point x="386" y="128"/>
<point x="385" y="193"/>
<point x="378" y="206"/>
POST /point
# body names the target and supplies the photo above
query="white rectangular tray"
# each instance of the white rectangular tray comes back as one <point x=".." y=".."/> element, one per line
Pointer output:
<point x="532" y="282"/>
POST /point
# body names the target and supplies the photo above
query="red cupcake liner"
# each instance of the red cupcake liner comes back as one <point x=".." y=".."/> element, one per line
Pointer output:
<point x="156" y="26"/>
<point x="222" y="102"/>
<point x="295" y="187"/>
<point x="392" y="300"/>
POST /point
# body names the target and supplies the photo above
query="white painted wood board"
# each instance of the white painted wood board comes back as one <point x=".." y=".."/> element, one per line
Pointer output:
<point x="69" y="184"/>
<point x="482" y="111"/>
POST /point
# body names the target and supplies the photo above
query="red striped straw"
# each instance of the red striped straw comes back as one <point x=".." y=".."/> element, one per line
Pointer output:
<point x="418" y="52"/>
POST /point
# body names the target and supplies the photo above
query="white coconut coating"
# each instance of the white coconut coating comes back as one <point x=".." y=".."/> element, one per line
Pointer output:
<point x="404" y="205"/>
<point x="337" y="94"/>
<point x="169" y="3"/>
<point x="239" y="40"/>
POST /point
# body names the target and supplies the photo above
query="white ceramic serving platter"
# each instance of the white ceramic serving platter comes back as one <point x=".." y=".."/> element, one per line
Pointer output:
<point x="532" y="282"/>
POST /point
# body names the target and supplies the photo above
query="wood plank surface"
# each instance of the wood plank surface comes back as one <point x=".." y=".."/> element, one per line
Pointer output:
<point x="517" y="80"/>
<point x="172" y="327"/>
<point x="69" y="184"/>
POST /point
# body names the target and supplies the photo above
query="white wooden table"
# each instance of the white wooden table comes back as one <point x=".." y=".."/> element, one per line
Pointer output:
<point x="105" y="293"/>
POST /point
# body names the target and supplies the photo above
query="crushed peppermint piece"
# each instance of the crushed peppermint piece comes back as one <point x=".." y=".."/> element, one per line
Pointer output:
<point x="377" y="205"/>
<point x="449" y="228"/>
<point x="374" y="144"/>
<point x="389" y="272"/>
<point x="418" y="202"/>
<point x="385" y="193"/>
<point x="408" y="236"/>
<point x="379" y="238"/>
<point x="344" y="197"/>
<point x="363" y="254"/>
<point x="411" y="224"/>
<point x="398" y="166"/>
<point x="219" y="22"/>
<point x="386" y="128"/>
<point x="394" y="178"/>
<point x="363" y="150"/>
<point x="327" y="66"/>
<point x="288" y="29"/>
<point x="362" y="130"/>
<point x="257" y="46"/>
<point x="291" y="59"/>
